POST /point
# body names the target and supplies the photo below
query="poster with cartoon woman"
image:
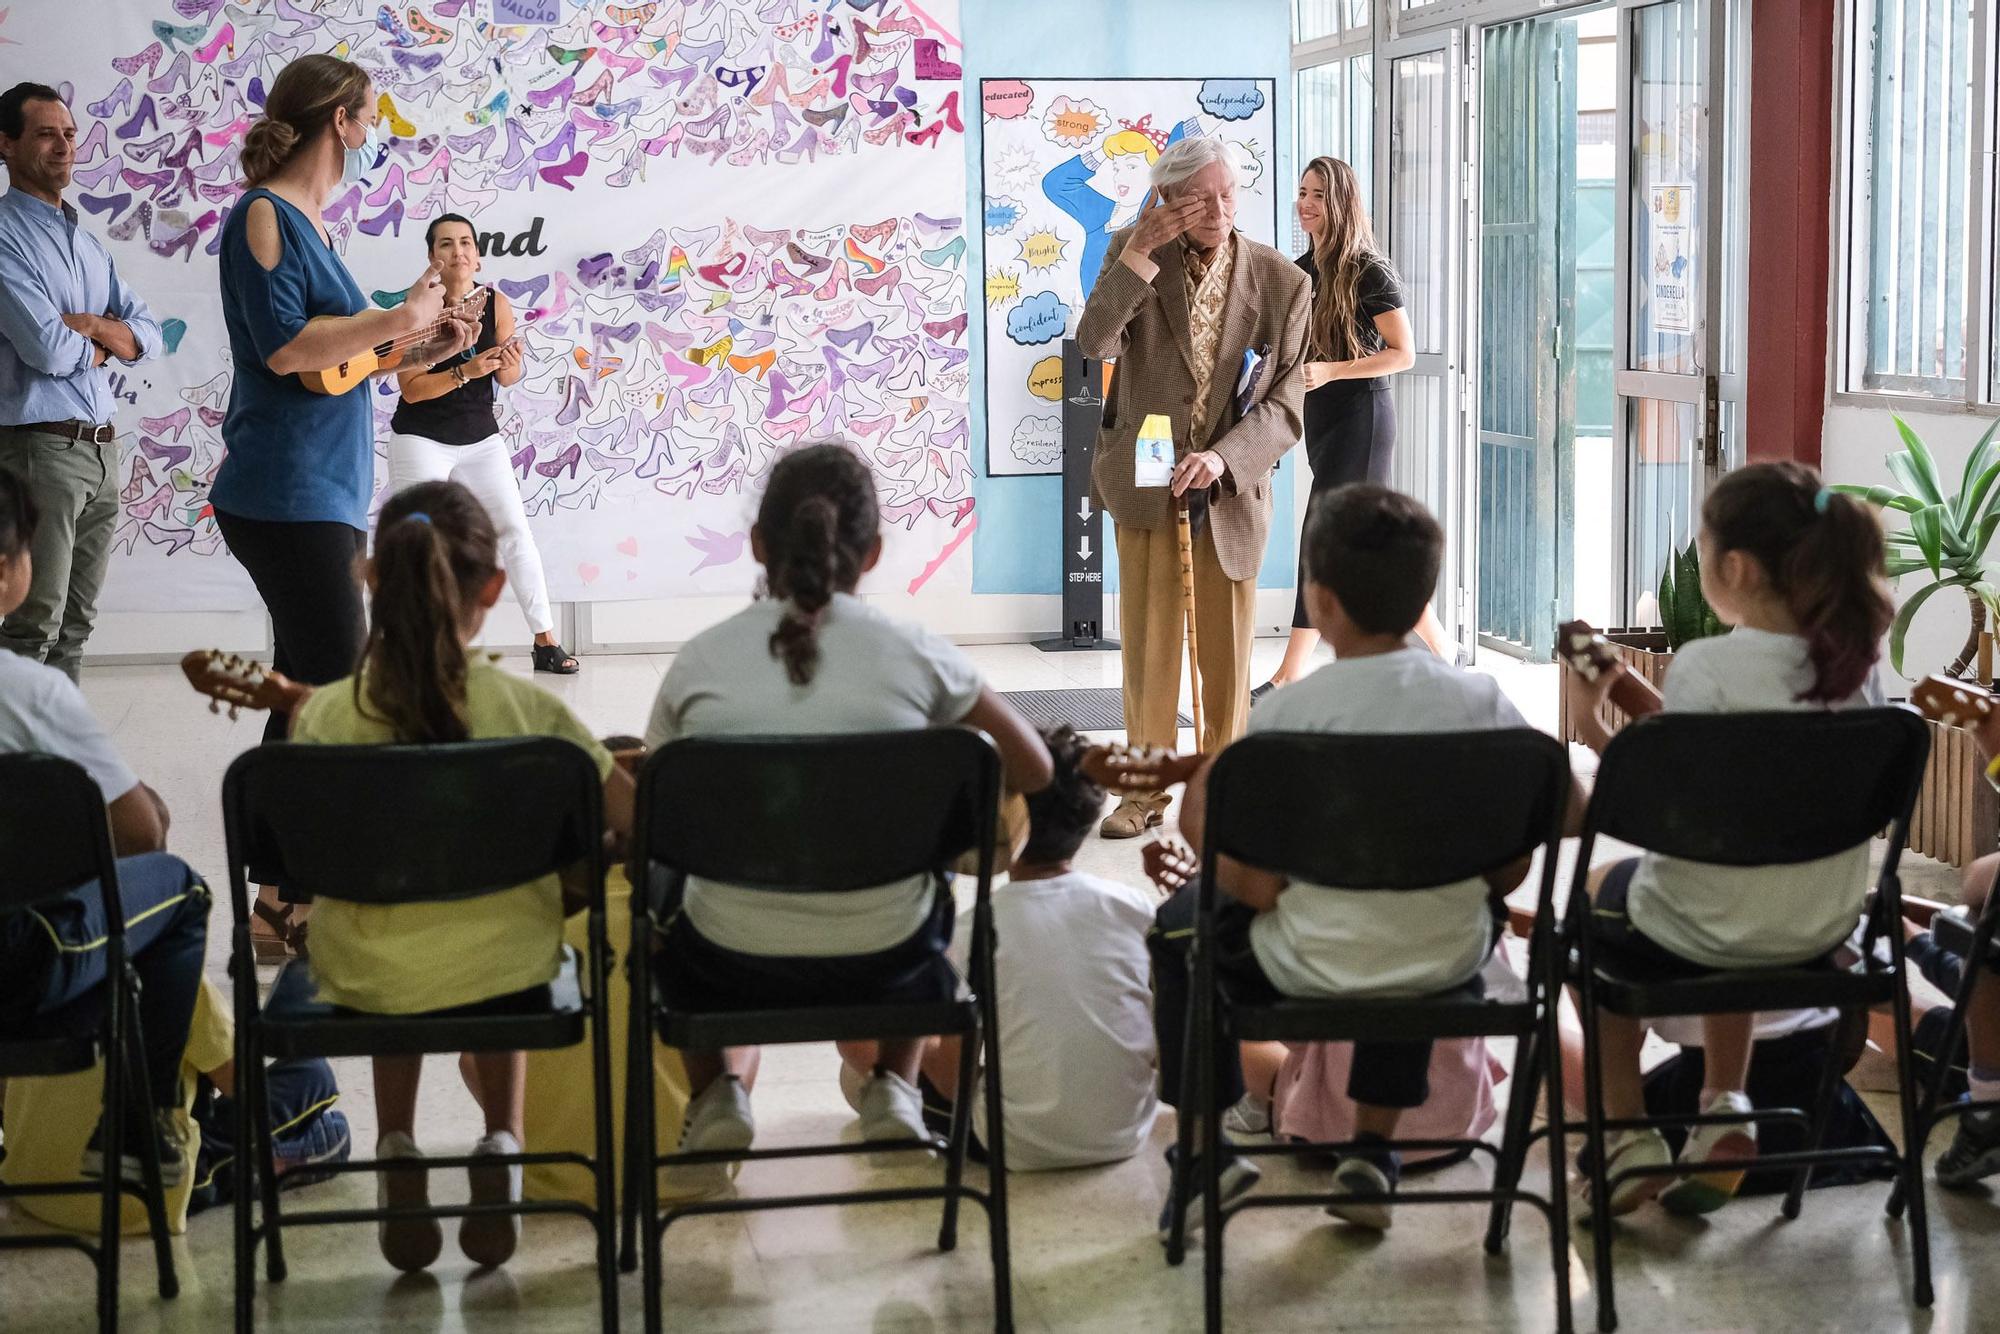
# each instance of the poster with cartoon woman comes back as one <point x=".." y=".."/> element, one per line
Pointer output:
<point x="1066" y="165"/>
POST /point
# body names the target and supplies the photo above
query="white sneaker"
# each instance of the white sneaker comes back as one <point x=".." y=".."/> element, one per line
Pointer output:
<point x="490" y="1240"/>
<point x="892" y="1111"/>
<point x="1705" y="1192"/>
<point x="1623" y="1149"/>
<point x="717" y="1120"/>
<point x="1250" y="1116"/>
<point x="410" y="1244"/>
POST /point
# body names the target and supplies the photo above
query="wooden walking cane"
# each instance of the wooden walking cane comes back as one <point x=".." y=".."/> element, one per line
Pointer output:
<point x="1185" y="534"/>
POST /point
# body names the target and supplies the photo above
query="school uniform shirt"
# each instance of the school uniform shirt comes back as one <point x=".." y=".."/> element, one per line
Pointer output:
<point x="42" y="710"/>
<point x="1319" y="941"/>
<point x="874" y="675"/>
<point x="1721" y="916"/>
<point x="405" y="958"/>
<point x="1076" y="1023"/>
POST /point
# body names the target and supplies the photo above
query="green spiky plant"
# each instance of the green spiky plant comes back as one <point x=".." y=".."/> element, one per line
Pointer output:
<point x="1948" y="535"/>
<point x="1684" y="609"/>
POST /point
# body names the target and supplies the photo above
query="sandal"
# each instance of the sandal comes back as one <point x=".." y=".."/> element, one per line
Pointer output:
<point x="283" y="940"/>
<point x="551" y="658"/>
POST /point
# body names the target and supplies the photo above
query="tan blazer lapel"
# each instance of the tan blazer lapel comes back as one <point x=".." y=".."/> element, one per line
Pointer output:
<point x="1171" y="284"/>
<point x="1238" y="314"/>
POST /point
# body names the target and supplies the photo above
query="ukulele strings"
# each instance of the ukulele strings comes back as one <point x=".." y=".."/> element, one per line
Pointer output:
<point x="416" y="337"/>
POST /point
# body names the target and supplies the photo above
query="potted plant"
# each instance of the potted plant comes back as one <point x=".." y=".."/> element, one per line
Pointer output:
<point x="1947" y="535"/>
<point x="1684" y="616"/>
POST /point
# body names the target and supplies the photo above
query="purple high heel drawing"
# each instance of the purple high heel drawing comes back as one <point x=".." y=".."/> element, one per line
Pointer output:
<point x="116" y="103"/>
<point x="561" y="463"/>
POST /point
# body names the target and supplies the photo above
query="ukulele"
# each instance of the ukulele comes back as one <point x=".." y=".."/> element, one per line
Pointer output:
<point x="1589" y="655"/>
<point x="1953" y="703"/>
<point x="241" y="683"/>
<point x="336" y="380"/>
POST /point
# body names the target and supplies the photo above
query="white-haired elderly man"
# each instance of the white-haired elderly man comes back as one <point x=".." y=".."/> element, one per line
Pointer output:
<point x="1209" y="331"/>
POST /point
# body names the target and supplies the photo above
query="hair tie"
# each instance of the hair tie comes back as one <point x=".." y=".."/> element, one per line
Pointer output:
<point x="416" y="516"/>
<point x="1823" y="499"/>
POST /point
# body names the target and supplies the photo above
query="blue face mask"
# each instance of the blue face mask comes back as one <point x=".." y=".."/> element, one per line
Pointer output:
<point x="360" y="160"/>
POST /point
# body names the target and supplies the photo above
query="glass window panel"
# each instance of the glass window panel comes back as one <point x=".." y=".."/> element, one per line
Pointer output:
<point x="1910" y="174"/>
<point x="1665" y="449"/>
<point x="1419" y="466"/>
<point x="1336" y="117"/>
<point x="1313" y="20"/>
<point x="1420" y="193"/>
<point x="1669" y="124"/>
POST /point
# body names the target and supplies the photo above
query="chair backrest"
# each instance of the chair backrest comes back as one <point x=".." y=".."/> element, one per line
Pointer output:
<point x="1759" y="789"/>
<point x="54" y="833"/>
<point x="818" y="814"/>
<point x="405" y="824"/>
<point x="1386" y="811"/>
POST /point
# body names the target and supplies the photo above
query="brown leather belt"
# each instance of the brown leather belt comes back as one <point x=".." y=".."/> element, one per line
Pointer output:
<point x="73" y="430"/>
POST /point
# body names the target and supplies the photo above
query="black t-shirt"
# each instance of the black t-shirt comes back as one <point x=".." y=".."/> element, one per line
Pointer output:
<point x="1377" y="293"/>
<point x="463" y="414"/>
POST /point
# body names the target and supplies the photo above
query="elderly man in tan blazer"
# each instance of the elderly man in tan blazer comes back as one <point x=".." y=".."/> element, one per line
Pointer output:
<point x="1185" y="305"/>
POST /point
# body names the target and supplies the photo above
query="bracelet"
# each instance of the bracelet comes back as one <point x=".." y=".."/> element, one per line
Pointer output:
<point x="1993" y="772"/>
<point x="458" y="374"/>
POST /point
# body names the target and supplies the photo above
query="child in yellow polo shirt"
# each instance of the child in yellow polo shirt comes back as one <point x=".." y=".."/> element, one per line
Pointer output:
<point x="434" y="575"/>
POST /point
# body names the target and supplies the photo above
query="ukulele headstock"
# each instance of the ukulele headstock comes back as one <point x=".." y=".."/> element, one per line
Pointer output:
<point x="1586" y="652"/>
<point x="1124" y="768"/>
<point x="1952" y="703"/>
<point x="235" y="683"/>
<point x="1169" y="863"/>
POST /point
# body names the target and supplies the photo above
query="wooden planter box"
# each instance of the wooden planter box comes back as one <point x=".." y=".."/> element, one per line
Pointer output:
<point x="1957" y="817"/>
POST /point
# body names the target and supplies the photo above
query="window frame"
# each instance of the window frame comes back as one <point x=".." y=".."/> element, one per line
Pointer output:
<point x="1847" y="320"/>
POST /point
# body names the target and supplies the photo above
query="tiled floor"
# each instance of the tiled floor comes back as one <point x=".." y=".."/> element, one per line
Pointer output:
<point x="1085" y="1257"/>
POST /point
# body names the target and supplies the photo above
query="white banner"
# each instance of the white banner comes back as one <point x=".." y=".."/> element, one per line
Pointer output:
<point x="1064" y="165"/>
<point x="733" y="226"/>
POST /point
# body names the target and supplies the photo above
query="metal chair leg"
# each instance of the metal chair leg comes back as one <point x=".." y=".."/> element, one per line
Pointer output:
<point x="999" y="1237"/>
<point x="155" y="1197"/>
<point x="111" y="1141"/>
<point x="1558" y="1166"/>
<point x="1178" y="1179"/>
<point x="604" y="1162"/>
<point x="244" y="1224"/>
<point x="961" y="1134"/>
<point x="1211" y="1164"/>
<point x="1600" y="1189"/>
<point x="1822" y="1109"/>
<point x="267" y="1172"/>
<point x="1514" y="1141"/>
<point x="1915" y="1132"/>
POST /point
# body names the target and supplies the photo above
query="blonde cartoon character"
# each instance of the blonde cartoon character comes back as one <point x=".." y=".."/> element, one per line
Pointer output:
<point x="1103" y="189"/>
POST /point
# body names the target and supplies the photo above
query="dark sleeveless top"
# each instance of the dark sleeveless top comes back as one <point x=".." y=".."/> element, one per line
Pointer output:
<point x="463" y="416"/>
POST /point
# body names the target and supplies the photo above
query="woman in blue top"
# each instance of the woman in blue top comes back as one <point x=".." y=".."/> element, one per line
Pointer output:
<point x="292" y="495"/>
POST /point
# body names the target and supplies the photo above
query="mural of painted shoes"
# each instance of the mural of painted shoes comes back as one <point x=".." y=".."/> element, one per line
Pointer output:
<point x="609" y="464"/>
<point x="212" y="418"/>
<point x="785" y="282"/>
<point x="952" y="329"/>
<point x="807" y="146"/>
<point x="838" y="72"/>
<point x="146" y="118"/>
<point x="570" y="55"/>
<point x="491" y="112"/>
<point x="431" y="33"/>
<point x="751" y="146"/>
<point x="681" y="481"/>
<point x="757" y="365"/>
<point x="888" y="131"/>
<point x="876" y="284"/>
<point x="930" y="62"/>
<point x="651" y="249"/>
<point x="393" y="28"/>
<point x="599" y="90"/>
<point x="853" y="339"/>
<point x="115" y="103"/>
<point x="102" y="175"/>
<point x="713" y="353"/>
<point x="873" y="371"/>
<point x="565" y="174"/>
<point x="674" y="80"/>
<point x="439" y="165"/>
<point x="934" y="227"/>
<point x="176" y="37"/>
<point x="928" y="135"/>
<point x="576" y="397"/>
<point x="879" y="86"/>
<point x="176" y="76"/>
<point x="477" y="142"/>
<point x="173" y="539"/>
<point x="398" y="124"/>
<point x="947" y="256"/>
<point x="948" y="113"/>
<point x="224" y="36"/>
<point x="564" y="462"/>
<point x="139" y="222"/>
<point x="949" y="356"/>
<point x="418" y="62"/>
<point x="523" y="173"/>
<point x="523" y="459"/>
<point x="724" y="272"/>
<point x="388" y="218"/>
<point x="184" y="241"/>
<point x="143" y="63"/>
<point x="528" y="293"/>
<point x="348" y="205"/>
<point x="215" y="391"/>
<point x="95" y="144"/>
<point x="108" y="205"/>
<point x="168" y="456"/>
<point x="391" y="187"/>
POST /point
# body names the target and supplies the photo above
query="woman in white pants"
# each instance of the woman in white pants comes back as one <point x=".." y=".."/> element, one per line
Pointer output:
<point x="446" y="429"/>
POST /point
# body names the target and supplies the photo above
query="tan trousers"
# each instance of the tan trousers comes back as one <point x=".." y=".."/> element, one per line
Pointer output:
<point x="1150" y="623"/>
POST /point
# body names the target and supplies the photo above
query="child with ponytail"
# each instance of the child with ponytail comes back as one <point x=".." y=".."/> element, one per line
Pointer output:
<point x="813" y="658"/>
<point x="1797" y="569"/>
<point x="434" y="575"/>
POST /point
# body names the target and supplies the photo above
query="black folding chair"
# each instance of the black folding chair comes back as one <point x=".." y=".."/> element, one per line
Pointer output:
<point x="413" y="824"/>
<point x="817" y="815"/>
<point x="1389" y="814"/>
<point x="1758" y="789"/>
<point x="54" y="837"/>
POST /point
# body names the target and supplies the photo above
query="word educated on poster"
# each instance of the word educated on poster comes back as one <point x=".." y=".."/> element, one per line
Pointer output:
<point x="1065" y="167"/>
<point x="727" y="228"/>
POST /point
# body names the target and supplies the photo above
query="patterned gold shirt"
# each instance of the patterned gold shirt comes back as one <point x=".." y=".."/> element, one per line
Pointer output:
<point x="1207" y="294"/>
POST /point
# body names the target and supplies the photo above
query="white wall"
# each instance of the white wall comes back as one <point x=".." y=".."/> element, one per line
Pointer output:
<point x="1853" y="447"/>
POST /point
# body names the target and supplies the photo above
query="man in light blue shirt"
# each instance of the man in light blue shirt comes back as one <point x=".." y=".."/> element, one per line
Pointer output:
<point x="63" y="315"/>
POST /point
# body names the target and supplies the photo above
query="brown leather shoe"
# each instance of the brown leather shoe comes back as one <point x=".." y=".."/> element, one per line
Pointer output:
<point x="1134" y="816"/>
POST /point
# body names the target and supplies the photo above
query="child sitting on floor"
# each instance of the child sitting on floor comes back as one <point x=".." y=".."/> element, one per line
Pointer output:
<point x="434" y="576"/>
<point x="813" y="658"/>
<point x="1075" y="1002"/>
<point x="1797" y="569"/>
<point x="1371" y="561"/>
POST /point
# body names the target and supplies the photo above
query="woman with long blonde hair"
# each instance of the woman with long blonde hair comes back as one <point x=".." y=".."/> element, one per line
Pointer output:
<point x="1359" y="336"/>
